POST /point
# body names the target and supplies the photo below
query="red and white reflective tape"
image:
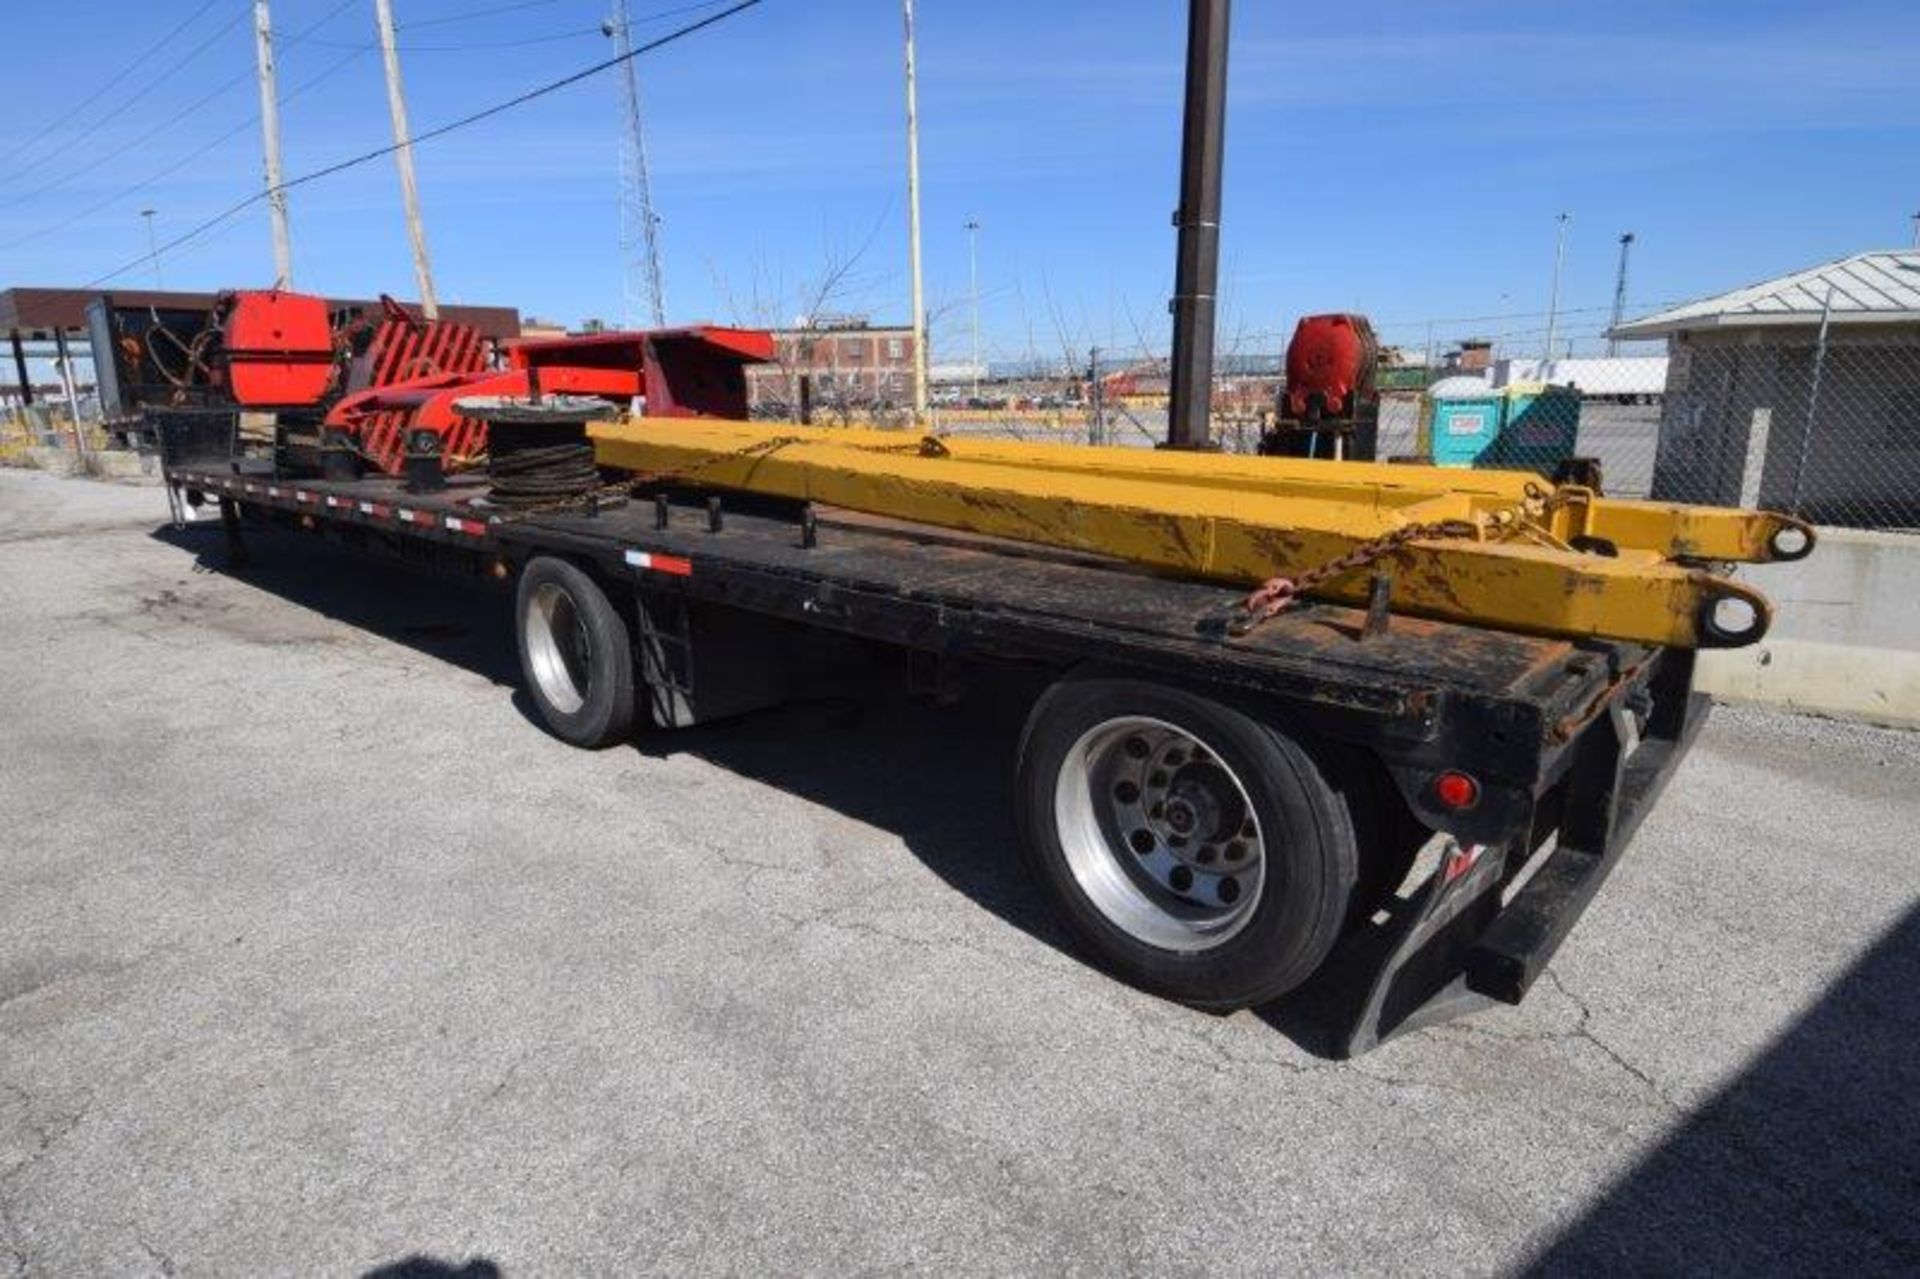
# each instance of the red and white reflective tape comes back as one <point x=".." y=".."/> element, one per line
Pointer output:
<point x="301" y="495"/>
<point x="472" y="528"/>
<point x="1461" y="860"/>
<point x="272" y="491"/>
<point x="337" y="502"/>
<point x="375" y="509"/>
<point x="655" y="563"/>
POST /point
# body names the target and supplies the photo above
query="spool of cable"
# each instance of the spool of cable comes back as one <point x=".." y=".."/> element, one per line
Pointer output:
<point x="537" y="449"/>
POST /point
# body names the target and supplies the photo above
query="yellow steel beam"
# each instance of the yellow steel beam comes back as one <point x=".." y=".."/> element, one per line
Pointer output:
<point x="1672" y="530"/>
<point x="1233" y="534"/>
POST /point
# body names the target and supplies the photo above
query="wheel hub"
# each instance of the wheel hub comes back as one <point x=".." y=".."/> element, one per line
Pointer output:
<point x="1171" y="850"/>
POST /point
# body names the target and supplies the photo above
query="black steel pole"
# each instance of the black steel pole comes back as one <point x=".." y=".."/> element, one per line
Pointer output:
<point x="1196" y="277"/>
<point x="20" y="370"/>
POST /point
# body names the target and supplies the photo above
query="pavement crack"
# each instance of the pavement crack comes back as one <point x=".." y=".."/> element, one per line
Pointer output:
<point x="162" y="1261"/>
<point x="1583" y="1029"/>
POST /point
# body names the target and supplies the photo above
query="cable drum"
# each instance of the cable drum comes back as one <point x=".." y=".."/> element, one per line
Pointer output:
<point x="537" y="450"/>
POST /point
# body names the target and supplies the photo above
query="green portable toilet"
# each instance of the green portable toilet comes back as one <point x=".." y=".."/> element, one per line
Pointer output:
<point x="1461" y="421"/>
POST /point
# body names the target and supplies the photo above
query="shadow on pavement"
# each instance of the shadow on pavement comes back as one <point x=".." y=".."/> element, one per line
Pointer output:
<point x="1807" y="1163"/>
<point x="423" y="1267"/>
<point x="466" y="622"/>
<point x="939" y="778"/>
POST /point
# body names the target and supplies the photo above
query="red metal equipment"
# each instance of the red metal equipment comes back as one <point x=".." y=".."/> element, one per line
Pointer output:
<point x="278" y="347"/>
<point x="1330" y="365"/>
<point x="693" y="372"/>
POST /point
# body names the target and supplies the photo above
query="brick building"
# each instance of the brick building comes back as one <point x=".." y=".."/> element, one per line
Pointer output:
<point x="852" y="364"/>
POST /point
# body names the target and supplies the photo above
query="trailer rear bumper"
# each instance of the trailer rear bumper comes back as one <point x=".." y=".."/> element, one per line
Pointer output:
<point x="1485" y="925"/>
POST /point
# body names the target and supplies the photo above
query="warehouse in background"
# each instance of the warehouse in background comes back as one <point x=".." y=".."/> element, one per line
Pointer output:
<point x="1800" y="394"/>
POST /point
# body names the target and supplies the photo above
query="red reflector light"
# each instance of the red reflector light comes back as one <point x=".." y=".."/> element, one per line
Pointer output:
<point x="1456" y="790"/>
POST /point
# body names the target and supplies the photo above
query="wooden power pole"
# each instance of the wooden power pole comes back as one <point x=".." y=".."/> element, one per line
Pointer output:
<point x="270" y="129"/>
<point x="403" y="159"/>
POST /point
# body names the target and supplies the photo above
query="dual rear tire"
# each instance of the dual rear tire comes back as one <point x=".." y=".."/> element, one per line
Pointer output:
<point x="1194" y="851"/>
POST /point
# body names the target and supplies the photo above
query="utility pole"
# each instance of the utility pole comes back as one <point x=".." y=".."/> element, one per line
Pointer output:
<point x="1553" y="301"/>
<point x="1197" y="268"/>
<point x="153" y="248"/>
<point x="640" y="228"/>
<point x="1619" y="295"/>
<point x="403" y="158"/>
<point x="913" y="229"/>
<point x="973" y="280"/>
<point x="1916" y="230"/>
<point x="270" y="129"/>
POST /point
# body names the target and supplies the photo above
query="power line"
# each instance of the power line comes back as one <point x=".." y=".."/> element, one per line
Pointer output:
<point x="332" y="70"/>
<point x="575" y="33"/>
<point x="111" y="82"/>
<point x="115" y="112"/>
<point x="177" y="165"/>
<point x="469" y="45"/>
<point x="486" y="113"/>
<point x="471" y="14"/>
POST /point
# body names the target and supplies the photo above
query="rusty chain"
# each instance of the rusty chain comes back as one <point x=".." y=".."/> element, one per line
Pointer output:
<point x="1279" y="593"/>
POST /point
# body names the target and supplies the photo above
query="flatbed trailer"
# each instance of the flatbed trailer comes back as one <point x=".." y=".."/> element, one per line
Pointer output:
<point x="1218" y="820"/>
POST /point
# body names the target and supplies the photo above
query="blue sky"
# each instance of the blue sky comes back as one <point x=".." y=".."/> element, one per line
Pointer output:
<point x="1403" y="159"/>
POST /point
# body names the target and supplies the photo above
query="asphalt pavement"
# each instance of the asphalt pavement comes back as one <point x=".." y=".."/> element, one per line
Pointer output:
<point x="317" y="957"/>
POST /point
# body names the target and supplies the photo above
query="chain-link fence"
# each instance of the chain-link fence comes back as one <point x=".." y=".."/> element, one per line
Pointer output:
<point x="1827" y="428"/>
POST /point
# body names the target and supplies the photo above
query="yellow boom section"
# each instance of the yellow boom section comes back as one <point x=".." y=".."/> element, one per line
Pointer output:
<point x="1675" y="531"/>
<point x="1241" y="520"/>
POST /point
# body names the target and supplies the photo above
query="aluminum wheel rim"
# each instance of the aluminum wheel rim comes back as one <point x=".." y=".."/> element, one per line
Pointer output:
<point x="1160" y="834"/>
<point x="558" y="649"/>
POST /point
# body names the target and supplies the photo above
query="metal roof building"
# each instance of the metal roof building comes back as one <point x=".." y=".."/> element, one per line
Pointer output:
<point x="1868" y="288"/>
<point x="1800" y="393"/>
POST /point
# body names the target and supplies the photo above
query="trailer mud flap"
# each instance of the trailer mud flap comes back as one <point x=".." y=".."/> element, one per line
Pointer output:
<point x="1454" y="947"/>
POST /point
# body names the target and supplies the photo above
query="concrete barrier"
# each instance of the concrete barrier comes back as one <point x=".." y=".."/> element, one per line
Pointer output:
<point x="1846" y="636"/>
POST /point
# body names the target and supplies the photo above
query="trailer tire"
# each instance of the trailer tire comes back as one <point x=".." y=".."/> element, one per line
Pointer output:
<point x="1194" y="851"/>
<point x="576" y="657"/>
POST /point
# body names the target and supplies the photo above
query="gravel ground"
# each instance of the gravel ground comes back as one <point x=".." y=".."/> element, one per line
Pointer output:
<point x="316" y="957"/>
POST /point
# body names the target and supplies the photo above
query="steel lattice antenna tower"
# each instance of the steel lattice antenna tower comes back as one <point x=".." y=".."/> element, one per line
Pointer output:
<point x="1619" y="295"/>
<point x="639" y="225"/>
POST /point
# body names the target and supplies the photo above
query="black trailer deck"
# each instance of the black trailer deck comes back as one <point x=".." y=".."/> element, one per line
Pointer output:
<point x="1573" y="738"/>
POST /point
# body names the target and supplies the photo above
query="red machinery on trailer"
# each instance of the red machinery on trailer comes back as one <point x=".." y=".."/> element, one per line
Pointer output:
<point x="1329" y="408"/>
<point x="373" y="386"/>
<point x="691" y="372"/>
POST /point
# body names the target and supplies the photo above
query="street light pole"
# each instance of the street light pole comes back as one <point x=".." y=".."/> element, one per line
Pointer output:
<point x="973" y="281"/>
<point x="1553" y="303"/>
<point x="153" y="248"/>
<point x="913" y="227"/>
